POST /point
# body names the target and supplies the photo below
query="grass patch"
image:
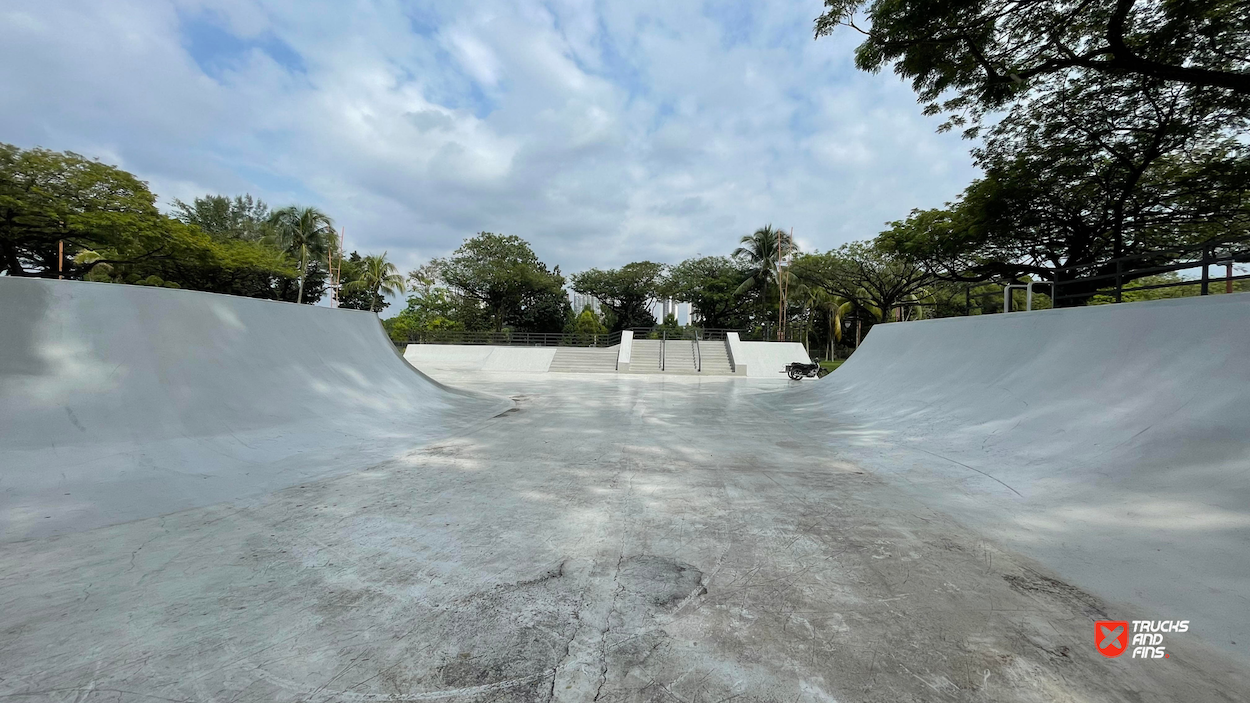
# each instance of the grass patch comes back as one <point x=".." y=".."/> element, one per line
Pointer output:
<point x="832" y="365"/>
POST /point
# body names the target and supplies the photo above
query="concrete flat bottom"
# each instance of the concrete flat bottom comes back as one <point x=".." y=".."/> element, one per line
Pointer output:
<point x="612" y="538"/>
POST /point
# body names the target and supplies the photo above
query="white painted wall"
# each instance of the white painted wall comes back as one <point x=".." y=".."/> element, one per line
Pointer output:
<point x="477" y="357"/>
<point x="769" y="359"/>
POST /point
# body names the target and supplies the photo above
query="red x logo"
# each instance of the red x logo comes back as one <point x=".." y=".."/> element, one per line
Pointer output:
<point x="1111" y="636"/>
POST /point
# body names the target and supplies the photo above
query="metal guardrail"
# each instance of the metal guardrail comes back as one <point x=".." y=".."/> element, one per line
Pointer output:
<point x="515" y="339"/>
<point x="702" y="333"/>
<point x="1109" y="277"/>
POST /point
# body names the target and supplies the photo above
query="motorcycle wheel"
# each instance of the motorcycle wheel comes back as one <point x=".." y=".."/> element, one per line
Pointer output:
<point x="794" y="375"/>
<point x="823" y="372"/>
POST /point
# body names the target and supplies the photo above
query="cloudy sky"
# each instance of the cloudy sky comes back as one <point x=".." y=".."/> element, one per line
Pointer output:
<point x="603" y="132"/>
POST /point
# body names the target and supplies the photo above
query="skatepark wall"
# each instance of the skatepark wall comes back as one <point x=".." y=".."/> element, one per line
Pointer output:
<point x="769" y="359"/>
<point x="1112" y="442"/>
<point x="476" y="357"/>
<point x="149" y="400"/>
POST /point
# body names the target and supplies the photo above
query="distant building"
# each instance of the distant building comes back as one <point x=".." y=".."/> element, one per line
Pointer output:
<point x="579" y="303"/>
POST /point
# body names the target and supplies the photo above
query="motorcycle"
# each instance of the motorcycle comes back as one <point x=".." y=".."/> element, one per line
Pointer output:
<point x="799" y="370"/>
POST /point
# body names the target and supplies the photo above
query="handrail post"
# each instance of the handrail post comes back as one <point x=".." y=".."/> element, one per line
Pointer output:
<point x="1119" y="282"/>
<point x="1206" y="274"/>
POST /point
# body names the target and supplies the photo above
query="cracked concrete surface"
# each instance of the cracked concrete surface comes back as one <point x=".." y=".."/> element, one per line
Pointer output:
<point x="614" y="539"/>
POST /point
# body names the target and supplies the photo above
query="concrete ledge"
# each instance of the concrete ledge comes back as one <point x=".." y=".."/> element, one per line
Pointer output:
<point x="737" y="355"/>
<point x="624" y="351"/>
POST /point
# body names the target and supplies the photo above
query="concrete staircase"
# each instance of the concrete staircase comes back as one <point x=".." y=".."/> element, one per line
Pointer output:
<point x="584" y="360"/>
<point x="679" y="357"/>
<point x="715" y="358"/>
<point x="645" y="356"/>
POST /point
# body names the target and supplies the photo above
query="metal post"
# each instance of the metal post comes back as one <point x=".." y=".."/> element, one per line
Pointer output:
<point x="1119" y="286"/>
<point x="1228" y="276"/>
<point x="1206" y="274"/>
<point x="60" y="259"/>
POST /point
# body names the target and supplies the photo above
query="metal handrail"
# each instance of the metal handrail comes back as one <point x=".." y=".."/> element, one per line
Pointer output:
<point x="511" y="338"/>
<point x="704" y="333"/>
<point x="698" y="357"/>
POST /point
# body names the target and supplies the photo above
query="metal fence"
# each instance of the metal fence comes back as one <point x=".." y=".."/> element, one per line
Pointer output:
<point x="515" y="339"/>
<point x="1115" y="277"/>
<point x="688" y="332"/>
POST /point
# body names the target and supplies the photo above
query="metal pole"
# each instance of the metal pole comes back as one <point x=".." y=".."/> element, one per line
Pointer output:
<point x="1206" y="274"/>
<point x="60" y="259"/>
<point x="1228" y="277"/>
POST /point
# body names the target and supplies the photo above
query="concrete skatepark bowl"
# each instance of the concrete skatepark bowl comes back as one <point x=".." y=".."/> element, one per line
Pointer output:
<point x="942" y="519"/>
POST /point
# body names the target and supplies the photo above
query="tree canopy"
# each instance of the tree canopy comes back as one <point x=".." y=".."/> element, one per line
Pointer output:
<point x="503" y="277"/>
<point x="710" y="284"/>
<point x="628" y="292"/>
<point x="242" y="217"/>
<point x="984" y="54"/>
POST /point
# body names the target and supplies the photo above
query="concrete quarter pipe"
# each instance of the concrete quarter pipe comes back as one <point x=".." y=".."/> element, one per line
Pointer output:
<point x="1111" y="442"/>
<point x="125" y="402"/>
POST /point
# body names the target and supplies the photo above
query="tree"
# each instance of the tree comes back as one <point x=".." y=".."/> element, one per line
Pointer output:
<point x="628" y="292"/>
<point x="1090" y="171"/>
<point x="710" y="284"/>
<point x="377" y="277"/>
<point x="111" y="231"/>
<point x="988" y="53"/>
<point x="48" y="197"/>
<point x="222" y="217"/>
<point x="762" y="252"/>
<point x="500" y="276"/>
<point x="305" y="232"/>
<point x="545" y="310"/>
<point x="430" y="309"/>
<point x="868" y="275"/>
<point x="834" y="308"/>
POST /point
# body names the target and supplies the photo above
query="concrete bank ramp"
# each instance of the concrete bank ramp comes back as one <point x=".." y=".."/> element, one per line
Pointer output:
<point x="124" y="402"/>
<point x="1112" y="442"/>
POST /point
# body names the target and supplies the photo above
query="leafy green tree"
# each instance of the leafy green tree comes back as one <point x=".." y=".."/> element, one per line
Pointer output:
<point x="870" y="276"/>
<point x="710" y="284"/>
<point x="1086" y="173"/>
<point x="48" y="197"/>
<point x="221" y="217"/>
<point x="628" y="292"/>
<point x="588" y="323"/>
<point x="981" y="55"/>
<point x="546" y="310"/>
<point x="502" y="280"/>
<point x="112" y="231"/>
<point x="378" y="277"/>
<point x="306" y="233"/>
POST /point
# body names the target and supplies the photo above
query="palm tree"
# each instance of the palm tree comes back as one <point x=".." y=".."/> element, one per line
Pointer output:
<point x="377" y="276"/>
<point x="302" y="231"/>
<point x="836" y="308"/>
<point x="759" y="251"/>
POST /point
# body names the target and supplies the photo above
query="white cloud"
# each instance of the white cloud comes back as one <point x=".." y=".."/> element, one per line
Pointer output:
<point x="603" y="134"/>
